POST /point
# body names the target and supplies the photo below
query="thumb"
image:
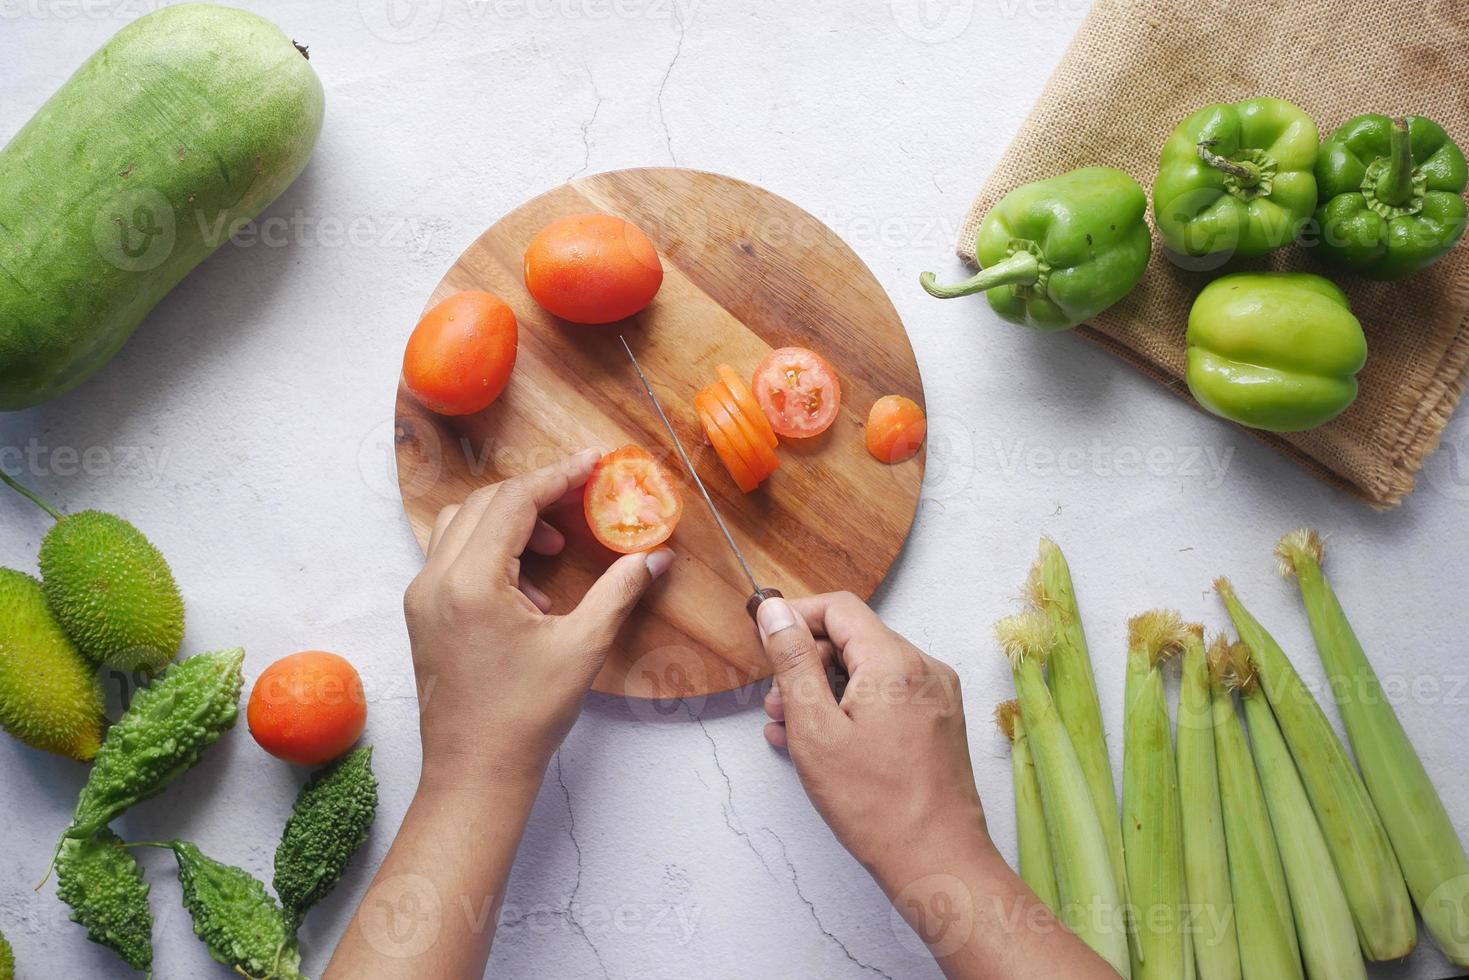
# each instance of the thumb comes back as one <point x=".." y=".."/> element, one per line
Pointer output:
<point x="804" y="688"/>
<point x="605" y="607"/>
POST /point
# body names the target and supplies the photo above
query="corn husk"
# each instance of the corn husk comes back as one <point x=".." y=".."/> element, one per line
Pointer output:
<point x="1428" y="849"/>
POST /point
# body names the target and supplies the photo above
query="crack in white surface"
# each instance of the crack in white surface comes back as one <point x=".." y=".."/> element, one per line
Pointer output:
<point x="811" y="907"/>
<point x="586" y="139"/>
<point x="662" y="85"/>
<point x="730" y="817"/>
<point x="570" y="913"/>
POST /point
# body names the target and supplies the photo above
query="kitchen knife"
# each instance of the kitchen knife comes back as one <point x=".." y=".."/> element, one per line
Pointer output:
<point x="759" y="594"/>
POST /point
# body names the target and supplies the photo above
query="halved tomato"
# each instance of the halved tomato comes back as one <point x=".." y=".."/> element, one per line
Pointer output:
<point x="761" y="457"/>
<point x="728" y="443"/>
<point x="631" y="501"/>
<point x="798" y="392"/>
<point x="896" y="427"/>
<point x="745" y="400"/>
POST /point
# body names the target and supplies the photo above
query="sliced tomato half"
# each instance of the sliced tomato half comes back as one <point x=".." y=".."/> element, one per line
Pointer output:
<point x="798" y="392"/>
<point x="728" y="443"/>
<point x="631" y="501"/>
<point x="761" y="457"/>
<point x="748" y="406"/>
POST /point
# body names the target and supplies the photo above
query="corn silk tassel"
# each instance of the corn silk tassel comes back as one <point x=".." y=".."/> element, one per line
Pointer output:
<point x="1423" y="837"/>
<point x="1363" y="856"/>
<point x="1090" y="903"/>
<point x="1324" y="927"/>
<point x="1074" y="689"/>
<point x="1036" y="867"/>
<point x="1210" y="919"/>
<point x="1152" y="828"/>
<point x="1262" y="912"/>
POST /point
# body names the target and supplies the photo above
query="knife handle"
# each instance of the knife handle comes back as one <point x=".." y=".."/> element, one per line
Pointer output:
<point x="760" y="595"/>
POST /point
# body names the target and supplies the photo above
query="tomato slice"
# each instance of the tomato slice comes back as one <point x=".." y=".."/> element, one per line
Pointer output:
<point x="631" y="501"/>
<point x="747" y="404"/>
<point x="711" y="416"/>
<point x="895" y="429"/>
<point x="761" y="457"/>
<point x="798" y="392"/>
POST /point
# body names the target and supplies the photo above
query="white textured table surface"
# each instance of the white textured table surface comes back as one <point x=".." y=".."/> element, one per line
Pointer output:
<point x="247" y="429"/>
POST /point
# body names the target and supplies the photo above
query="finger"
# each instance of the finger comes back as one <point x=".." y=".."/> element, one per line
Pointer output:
<point x="804" y="689"/>
<point x="775" y="734"/>
<point x="839" y="616"/>
<point x="605" y="607"/>
<point x="546" y="540"/>
<point x="860" y="636"/>
<point x="774" y="704"/>
<point x="441" y="524"/>
<point x="507" y="519"/>
<point x="535" y="595"/>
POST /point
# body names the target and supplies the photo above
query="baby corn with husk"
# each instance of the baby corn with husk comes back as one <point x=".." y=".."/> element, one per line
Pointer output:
<point x="1074" y="689"/>
<point x="1205" y="857"/>
<point x="1363" y="857"/>
<point x="1423" y="837"/>
<point x="1090" y="902"/>
<point x="1262" y="912"/>
<point x="1036" y="867"/>
<point x="1324" y="930"/>
<point x="1151" y="828"/>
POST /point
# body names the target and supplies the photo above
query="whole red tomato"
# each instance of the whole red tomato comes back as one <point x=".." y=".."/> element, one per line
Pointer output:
<point x="307" y="708"/>
<point x="592" y="268"/>
<point x="460" y="355"/>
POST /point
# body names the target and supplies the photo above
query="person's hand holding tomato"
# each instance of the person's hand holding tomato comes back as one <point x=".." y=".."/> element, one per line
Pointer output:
<point x="500" y="679"/>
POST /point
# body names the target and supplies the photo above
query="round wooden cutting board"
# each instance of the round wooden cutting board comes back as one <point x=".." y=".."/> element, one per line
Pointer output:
<point x="745" y="272"/>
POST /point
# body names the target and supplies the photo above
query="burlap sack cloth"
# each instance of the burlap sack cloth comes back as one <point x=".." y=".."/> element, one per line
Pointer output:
<point x="1138" y="67"/>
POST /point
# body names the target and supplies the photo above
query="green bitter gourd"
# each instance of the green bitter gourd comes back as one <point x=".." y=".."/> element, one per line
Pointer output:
<point x="236" y="918"/>
<point x="328" y="822"/>
<point x="162" y="734"/>
<point x="105" y="888"/>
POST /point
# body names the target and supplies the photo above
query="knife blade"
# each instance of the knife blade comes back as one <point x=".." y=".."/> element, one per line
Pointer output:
<point x="759" y="594"/>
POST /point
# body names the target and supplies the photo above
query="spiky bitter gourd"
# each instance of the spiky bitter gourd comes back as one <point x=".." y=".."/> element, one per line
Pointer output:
<point x="110" y="589"/>
<point x="49" y="697"/>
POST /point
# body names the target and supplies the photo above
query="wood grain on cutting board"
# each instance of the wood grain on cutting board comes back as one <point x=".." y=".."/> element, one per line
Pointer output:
<point x="745" y="271"/>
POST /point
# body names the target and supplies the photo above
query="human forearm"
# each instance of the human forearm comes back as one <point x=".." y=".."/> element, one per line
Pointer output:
<point x="432" y="908"/>
<point x="978" y="918"/>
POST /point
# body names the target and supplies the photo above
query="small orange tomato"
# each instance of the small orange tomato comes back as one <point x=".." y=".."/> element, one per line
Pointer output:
<point x="307" y="708"/>
<point x="895" y="429"/>
<point x="592" y="268"/>
<point x="460" y="355"/>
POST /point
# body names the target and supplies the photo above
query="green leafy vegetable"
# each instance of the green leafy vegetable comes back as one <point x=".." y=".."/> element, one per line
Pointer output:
<point x="160" y="736"/>
<point x="104" y="886"/>
<point x="7" y="960"/>
<point x="328" y="823"/>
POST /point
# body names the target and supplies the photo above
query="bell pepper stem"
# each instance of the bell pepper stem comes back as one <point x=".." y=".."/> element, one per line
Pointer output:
<point x="1395" y="186"/>
<point x="1247" y="174"/>
<point x="1022" y="267"/>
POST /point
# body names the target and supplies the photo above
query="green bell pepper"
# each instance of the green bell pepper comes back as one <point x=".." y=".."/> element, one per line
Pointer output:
<point x="1274" y="350"/>
<point x="1236" y="179"/>
<point x="1057" y="252"/>
<point x="1391" y="195"/>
